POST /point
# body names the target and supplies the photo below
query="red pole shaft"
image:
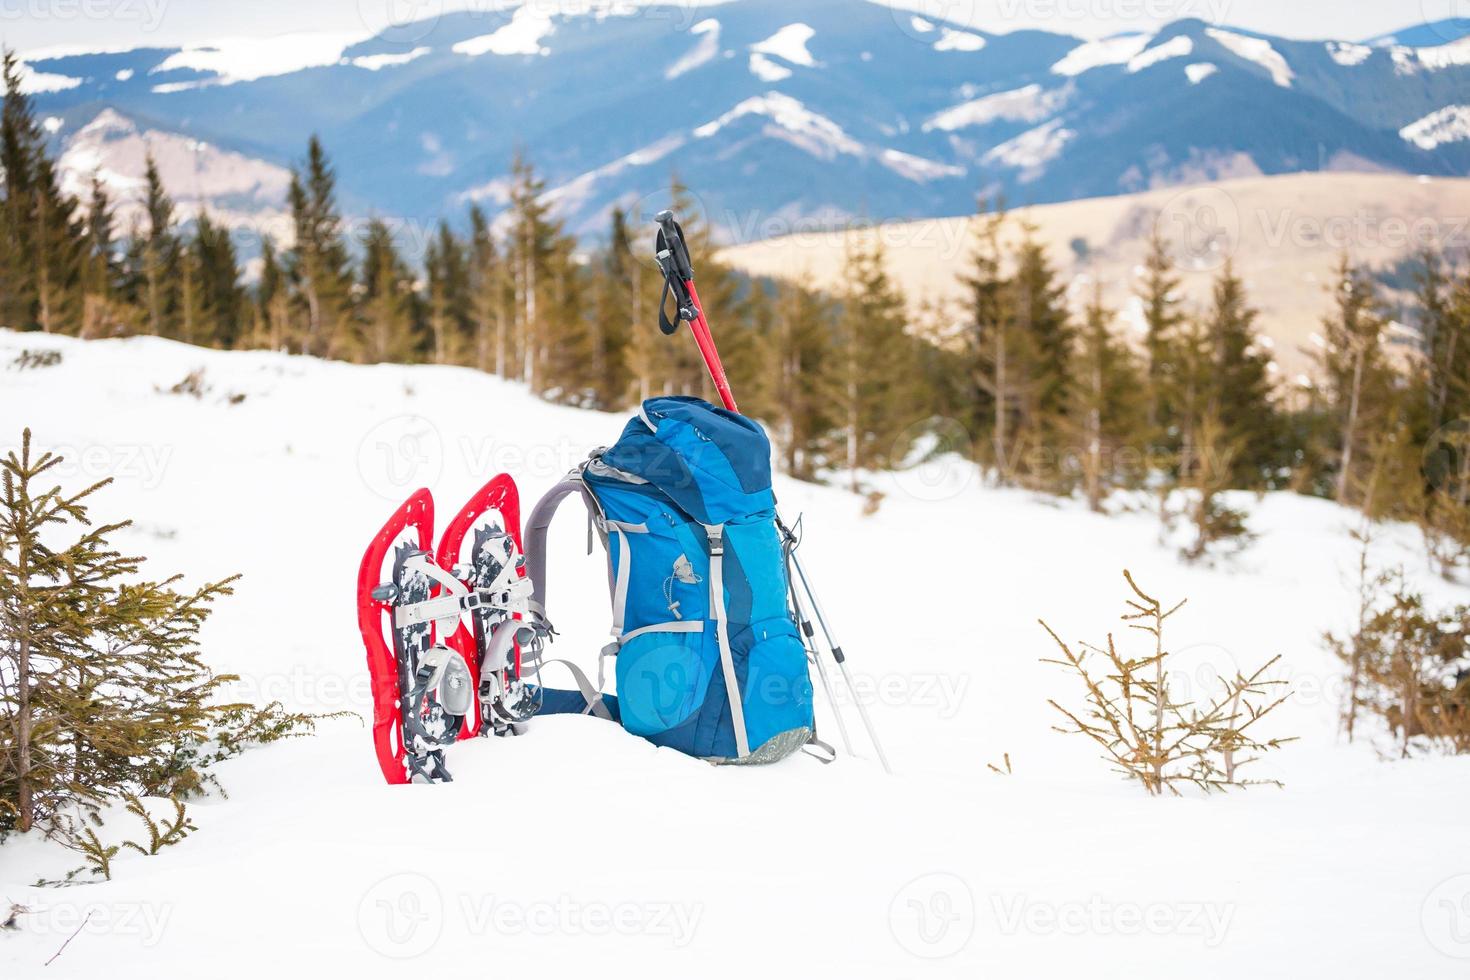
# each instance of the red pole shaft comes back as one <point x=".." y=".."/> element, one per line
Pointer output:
<point x="707" y="349"/>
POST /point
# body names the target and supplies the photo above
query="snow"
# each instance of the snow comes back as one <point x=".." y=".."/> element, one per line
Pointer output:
<point x="1448" y="125"/>
<point x="1031" y="103"/>
<point x="377" y="62"/>
<point x="124" y="75"/>
<point x="791" y="121"/>
<point x="705" y="50"/>
<point x="953" y="40"/>
<point x="1176" y="47"/>
<point x="34" y="82"/>
<point x="1032" y="148"/>
<point x="789" y="44"/>
<point x="918" y="169"/>
<point x="767" y="70"/>
<point x="1200" y="71"/>
<point x="1452" y="55"/>
<point x="578" y="191"/>
<point x="1347" y="54"/>
<point x="624" y="860"/>
<point x="921" y="25"/>
<point x="1118" y="50"/>
<point x="523" y="34"/>
<point x="243" y="59"/>
<point x="1258" y="50"/>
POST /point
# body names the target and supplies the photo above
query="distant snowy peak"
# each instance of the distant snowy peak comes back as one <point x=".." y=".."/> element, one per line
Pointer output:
<point x="1176" y="47"/>
<point x="244" y="59"/>
<point x="954" y="40"/>
<point x="1030" y="103"/>
<point x="1117" y="50"/>
<point x="789" y="44"/>
<point x="235" y="189"/>
<point x="1257" y="50"/>
<point x="1348" y="55"/>
<point x="1033" y="149"/>
<point x="1200" y="71"/>
<point x="523" y="34"/>
<point x="1449" y="125"/>
<point x="1409" y="61"/>
<point x="790" y="121"/>
<point x="705" y="50"/>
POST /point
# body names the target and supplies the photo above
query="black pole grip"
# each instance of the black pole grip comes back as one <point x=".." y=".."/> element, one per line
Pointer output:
<point x="671" y="238"/>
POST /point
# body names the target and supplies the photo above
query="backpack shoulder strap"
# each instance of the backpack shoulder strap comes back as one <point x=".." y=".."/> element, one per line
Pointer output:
<point x="536" y="528"/>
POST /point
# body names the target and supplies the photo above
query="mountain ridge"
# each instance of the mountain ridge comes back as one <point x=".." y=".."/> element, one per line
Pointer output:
<point x="779" y="115"/>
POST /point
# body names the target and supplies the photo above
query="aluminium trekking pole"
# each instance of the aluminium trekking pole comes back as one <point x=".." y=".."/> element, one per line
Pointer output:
<point x="672" y="254"/>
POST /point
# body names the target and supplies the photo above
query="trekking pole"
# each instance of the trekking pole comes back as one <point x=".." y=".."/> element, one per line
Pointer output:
<point x="841" y="659"/>
<point x="809" y="640"/>
<point x="672" y="254"/>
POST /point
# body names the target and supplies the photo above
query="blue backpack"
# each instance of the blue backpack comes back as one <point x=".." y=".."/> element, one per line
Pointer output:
<point x="709" y="660"/>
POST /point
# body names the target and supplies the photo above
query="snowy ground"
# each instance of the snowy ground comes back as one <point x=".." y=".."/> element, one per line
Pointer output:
<point x="580" y="846"/>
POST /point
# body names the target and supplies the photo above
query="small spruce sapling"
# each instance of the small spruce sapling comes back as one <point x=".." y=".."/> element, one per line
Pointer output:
<point x="1409" y="665"/>
<point x="1147" y="735"/>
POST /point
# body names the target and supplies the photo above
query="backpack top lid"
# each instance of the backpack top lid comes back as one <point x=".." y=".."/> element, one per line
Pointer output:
<point x="713" y="463"/>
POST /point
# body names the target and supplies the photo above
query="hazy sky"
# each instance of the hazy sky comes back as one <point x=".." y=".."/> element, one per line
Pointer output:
<point x="31" y="24"/>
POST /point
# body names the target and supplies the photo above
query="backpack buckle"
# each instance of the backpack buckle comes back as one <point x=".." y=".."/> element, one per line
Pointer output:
<point x="716" y="535"/>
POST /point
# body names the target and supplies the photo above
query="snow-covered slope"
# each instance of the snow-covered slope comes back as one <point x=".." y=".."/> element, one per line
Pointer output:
<point x="579" y="848"/>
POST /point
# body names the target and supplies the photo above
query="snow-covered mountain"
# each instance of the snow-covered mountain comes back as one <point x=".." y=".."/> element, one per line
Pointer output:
<point x="776" y="112"/>
<point x="581" y="848"/>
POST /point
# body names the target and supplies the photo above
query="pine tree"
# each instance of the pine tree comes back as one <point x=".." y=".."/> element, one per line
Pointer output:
<point x="387" y="299"/>
<point x="1041" y="312"/>
<point x="19" y="135"/>
<point x="318" y="261"/>
<point x="271" y="314"/>
<point x="1444" y="333"/>
<point x="1162" y="318"/>
<point x="805" y="375"/>
<point x="448" y="300"/>
<point x="1359" y="380"/>
<point x="101" y="685"/>
<point x="103" y="313"/>
<point x="995" y="346"/>
<point x="219" y="281"/>
<point x="1240" y="384"/>
<point x="618" y="307"/>
<point x="877" y="399"/>
<point x="44" y="247"/>
<point x="158" y="256"/>
<point x="571" y="362"/>
<point x="532" y="239"/>
<point x="489" y="299"/>
<point x="1108" y="407"/>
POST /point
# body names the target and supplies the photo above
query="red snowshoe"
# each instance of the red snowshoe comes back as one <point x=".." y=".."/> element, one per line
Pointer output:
<point x="444" y="665"/>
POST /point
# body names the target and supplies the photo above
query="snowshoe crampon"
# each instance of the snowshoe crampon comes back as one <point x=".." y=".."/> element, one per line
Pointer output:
<point x="443" y="662"/>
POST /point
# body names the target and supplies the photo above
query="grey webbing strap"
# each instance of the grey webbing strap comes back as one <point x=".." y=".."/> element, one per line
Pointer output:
<point x="716" y="533"/>
<point x="590" y="694"/>
<point x="536" y="528"/>
<point x="679" y="626"/>
<point x="819" y="750"/>
<point x="620" y="590"/>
